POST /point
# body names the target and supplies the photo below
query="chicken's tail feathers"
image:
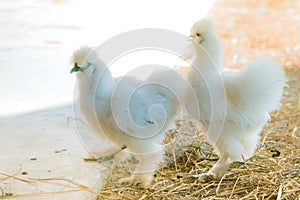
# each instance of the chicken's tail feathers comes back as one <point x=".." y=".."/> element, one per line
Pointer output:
<point x="261" y="84"/>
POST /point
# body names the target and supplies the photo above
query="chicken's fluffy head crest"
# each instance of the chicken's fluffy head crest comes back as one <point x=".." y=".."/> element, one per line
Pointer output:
<point x="203" y="26"/>
<point x="201" y="30"/>
<point x="80" y="55"/>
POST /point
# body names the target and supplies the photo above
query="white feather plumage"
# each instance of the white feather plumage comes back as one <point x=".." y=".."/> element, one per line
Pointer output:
<point x="140" y="123"/>
<point x="250" y="95"/>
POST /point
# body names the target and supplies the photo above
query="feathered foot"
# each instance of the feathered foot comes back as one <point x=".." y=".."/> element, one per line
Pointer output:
<point x="148" y="163"/>
<point x="143" y="179"/>
<point x="216" y="172"/>
<point x="206" y="177"/>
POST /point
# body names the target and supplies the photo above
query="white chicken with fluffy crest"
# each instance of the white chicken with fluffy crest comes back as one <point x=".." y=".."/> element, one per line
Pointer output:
<point x="128" y="111"/>
<point x="249" y="96"/>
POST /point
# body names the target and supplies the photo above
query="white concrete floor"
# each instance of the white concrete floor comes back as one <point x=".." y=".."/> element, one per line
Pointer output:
<point x="49" y="137"/>
<point x="36" y="93"/>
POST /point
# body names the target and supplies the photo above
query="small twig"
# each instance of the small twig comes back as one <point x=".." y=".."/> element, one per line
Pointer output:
<point x="105" y="158"/>
<point x="175" y="161"/>
<point x="83" y="187"/>
<point x="219" y="184"/>
<point x="279" y="192"/>
<point x="38" y="194"/>
<point x="198" y="191"/>
<point x="291" y="171"/>
<point x="237" y="180"/>
<point x="19" y="179"/>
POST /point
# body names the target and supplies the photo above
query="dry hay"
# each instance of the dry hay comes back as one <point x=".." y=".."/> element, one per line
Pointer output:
<point x="274" y="171"/>
<point x="39" y="185"/>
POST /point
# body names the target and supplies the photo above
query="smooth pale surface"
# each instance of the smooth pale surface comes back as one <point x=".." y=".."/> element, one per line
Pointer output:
<point x="48" y="136"/>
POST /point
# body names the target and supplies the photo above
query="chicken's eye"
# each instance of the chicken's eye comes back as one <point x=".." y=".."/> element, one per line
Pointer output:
<point x="198" y="34"/>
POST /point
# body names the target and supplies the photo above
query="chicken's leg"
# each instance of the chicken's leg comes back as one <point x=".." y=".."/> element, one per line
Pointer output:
<point x="217" y="171"/>
<point x="148" y="163"/>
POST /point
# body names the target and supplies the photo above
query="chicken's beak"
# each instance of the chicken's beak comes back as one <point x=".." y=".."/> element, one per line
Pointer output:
<point x="191" y="37"/>
<point x="76" y="68"/>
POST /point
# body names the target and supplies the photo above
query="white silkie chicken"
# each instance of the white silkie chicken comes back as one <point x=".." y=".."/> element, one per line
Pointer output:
<point x="233" y="106"/>
<point x="127" y="111"/>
